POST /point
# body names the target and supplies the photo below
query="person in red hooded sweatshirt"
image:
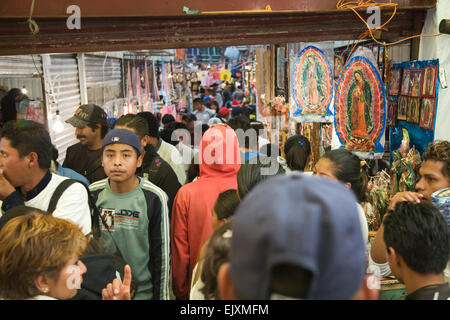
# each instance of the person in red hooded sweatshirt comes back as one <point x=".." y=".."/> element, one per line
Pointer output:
<point x="219" y="160"/>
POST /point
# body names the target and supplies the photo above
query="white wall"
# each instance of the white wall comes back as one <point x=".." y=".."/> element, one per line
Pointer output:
<point x="439" y="48"/>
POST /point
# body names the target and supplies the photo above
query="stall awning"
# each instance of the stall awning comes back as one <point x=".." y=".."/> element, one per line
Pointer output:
<point x="115" y="25"/>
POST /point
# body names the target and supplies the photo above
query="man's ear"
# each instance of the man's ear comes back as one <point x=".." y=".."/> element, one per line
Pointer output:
<point x="224" y="283"/>
<point x="139" y="161"/>
<point x="33" y="159"/>
<point x="393" y="256"/>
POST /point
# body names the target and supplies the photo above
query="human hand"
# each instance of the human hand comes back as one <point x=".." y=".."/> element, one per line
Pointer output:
<point x="407" y="196"/>
<point x="6" y="188"/>
<point x="117" y="290"/>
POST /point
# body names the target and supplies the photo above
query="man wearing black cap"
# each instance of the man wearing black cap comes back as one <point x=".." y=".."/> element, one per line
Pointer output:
<point x="85" y="156"/>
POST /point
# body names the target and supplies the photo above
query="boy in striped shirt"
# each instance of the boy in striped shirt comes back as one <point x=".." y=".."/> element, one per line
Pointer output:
<point x="135" y="217"/>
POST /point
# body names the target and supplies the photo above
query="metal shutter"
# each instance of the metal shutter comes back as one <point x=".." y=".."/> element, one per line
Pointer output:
<point x="61" y="73"/>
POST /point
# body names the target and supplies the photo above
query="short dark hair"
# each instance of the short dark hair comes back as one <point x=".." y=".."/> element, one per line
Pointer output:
<point x="104" y="127"/>
<point x="135" y="122"/>
<point x="28" y="136"/>
<point x="153" y="123"/>
<point x="419" y="234"/>
<point x="297" y="150"/>
<point x="243" y="123"/>
<point x="439" y="151"/>
<point x="167" y="118"/>
<point x="217" y="253"/>
<point x="197" y="100"/>
<point x="348" y="168"/>
<point x="8" y="105"/>
<point x="226" y="204"/>
<point x="249" y="175"/>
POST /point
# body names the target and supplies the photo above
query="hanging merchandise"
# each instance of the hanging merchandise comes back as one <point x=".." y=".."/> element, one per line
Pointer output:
<point x="138" y="90"/>
<point x="311" y="86"/>
<point x="360" y="105"/>
<point x="413" y="88"/>
<point x="225" y="75"/>
<point x="155" y="84"/>
<point x="378" y="198"/>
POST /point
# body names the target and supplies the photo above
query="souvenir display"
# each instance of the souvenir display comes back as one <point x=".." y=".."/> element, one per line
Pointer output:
<point x="415" y="80"/>
<point x="378" y="198"/>
<point x="392" y="113"/>
<point x="360" y="106"/>
<point x="429" y="81"/>
<point x="427" y="108"/>
<point x="405" y="166"/>
<point x="405" y="82"/>
<point x="402" y="108"/>
<point x="395" y="81"/>
<point x="311" y="84"/>
<point x="412" y="114"/>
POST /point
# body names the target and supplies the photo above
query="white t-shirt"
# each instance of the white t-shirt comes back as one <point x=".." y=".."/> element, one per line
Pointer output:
<point x="363" y="222"/>
<point x="205" y="115"/>
<point x="73" y="204"/>
<point x="172" y="156"/>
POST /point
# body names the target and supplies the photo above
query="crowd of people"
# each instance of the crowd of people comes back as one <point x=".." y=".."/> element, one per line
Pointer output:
<point x="191" y="208"/>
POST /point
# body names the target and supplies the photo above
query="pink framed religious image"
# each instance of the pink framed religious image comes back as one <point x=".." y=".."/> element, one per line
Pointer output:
<point x="427" y="113"/>
<point x="429" y="81"/>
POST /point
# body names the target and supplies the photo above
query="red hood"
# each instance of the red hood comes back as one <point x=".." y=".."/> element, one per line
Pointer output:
<point x="219" y="152"/>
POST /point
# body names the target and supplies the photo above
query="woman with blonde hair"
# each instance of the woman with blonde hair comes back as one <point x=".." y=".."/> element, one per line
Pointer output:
<point x="39" y="257"/>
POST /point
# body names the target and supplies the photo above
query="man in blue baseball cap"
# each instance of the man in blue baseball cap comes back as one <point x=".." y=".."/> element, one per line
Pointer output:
<point x="293" y="242"/>
<point x="134" y="215"/>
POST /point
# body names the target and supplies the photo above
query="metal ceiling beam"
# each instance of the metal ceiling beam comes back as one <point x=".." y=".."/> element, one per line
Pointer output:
<point x="143" y="33"/>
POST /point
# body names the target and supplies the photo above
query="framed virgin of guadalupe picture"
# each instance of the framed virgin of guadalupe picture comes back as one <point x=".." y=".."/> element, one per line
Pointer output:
<point x="402" y="108"/>
<point x="427" y="108"/>
<point x="429" y="81"/>
<point x="413" y="110"/>
<point x="392" y="113"/>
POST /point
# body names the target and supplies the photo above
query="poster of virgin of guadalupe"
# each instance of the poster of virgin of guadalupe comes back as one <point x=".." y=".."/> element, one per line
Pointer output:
<point x="311" y="87"/>
<point x="360" y="106"/>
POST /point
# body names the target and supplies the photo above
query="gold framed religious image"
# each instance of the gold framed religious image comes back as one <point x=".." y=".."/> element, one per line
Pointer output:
<point x="415" y="80"/>
<point x="429" y="81"/>
<point x="392" y="113"/>
<point x="405" y="82"/>
<point x="402" y="108"/>
<point x="427" y="108"/>
<point x="395" y="81"/>
<point x="413" y="110"/>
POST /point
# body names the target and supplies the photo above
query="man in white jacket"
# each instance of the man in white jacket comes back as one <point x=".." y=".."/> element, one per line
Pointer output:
<point x="25" y="178"/>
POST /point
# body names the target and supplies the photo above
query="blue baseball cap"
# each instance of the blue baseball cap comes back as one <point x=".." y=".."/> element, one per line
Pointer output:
<point x="123" y="136"/>
<point x="306" y="221"/>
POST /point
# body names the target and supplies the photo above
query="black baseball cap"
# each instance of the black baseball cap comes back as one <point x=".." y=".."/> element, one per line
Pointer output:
<point x="88" y="113"/>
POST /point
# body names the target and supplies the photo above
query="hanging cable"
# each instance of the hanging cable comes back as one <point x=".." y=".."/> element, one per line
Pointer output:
<point x="34" y="28"/>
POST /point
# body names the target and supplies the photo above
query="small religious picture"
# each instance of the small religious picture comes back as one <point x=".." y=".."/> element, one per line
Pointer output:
<point x="429" y="81"/>
<point x="405" y="82"/>
<point x="402" y="108"/>
<point x="395" y="81"/>
<point x="338" y="64"/>
<point x="107" y="217"/>
<point x="412" y="114"/>
<point x="427" y="113"/>
<point x="381" y="55"/>
<point x="415" y="80"/>
<point x="392" y="113"/>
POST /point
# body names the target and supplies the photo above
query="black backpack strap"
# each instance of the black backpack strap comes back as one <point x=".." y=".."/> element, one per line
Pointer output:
<point x="58" y="193"/>
<point x="92" y="207"/>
